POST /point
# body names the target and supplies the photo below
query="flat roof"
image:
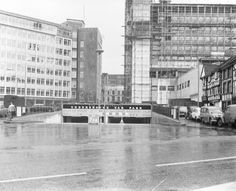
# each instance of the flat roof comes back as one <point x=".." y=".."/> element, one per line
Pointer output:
<point x="32" y="19"/>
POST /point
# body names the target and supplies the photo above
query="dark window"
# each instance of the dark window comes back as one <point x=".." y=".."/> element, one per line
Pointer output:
<point x="188" y="83"/>
<point x="215" y="9"/>
<point x="201" y="9"/>
<point x="208" y="9"/>
<point x="162" y="88"/>
<point x="221" y="10"/>
<point x="194" y="9"/>
<point x="181" y="9"/>
<point x="152" y="74"/>
<point x="171" y="88"/>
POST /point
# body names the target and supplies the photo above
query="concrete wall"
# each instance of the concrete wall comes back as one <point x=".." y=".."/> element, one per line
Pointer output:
<point x="193" y="76"/>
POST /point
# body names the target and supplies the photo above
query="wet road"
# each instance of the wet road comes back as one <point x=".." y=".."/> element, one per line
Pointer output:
<point x="114" y="157"/>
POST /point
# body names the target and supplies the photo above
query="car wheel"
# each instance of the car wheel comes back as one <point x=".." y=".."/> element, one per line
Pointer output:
<point x="219" y="122"/>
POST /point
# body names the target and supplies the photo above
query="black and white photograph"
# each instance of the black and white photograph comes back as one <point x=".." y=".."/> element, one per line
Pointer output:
<point x="118" y="95"/>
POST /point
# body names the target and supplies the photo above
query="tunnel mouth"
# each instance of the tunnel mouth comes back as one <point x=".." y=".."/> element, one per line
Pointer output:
<point x="135" y="120"/>
<point x="81" y="119"/>
<point x="130" y="120"/>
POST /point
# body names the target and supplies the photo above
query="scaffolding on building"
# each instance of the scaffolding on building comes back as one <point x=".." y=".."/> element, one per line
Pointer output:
<point x="179" y="34"/>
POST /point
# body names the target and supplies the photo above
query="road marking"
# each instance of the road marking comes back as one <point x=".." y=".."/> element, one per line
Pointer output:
<point x="42" y="177"/>
<point x="158" y="184"/>
<point x="197" y="161"/>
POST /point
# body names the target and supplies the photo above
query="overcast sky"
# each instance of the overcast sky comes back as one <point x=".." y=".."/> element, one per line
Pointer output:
<point x="107" y="15"/>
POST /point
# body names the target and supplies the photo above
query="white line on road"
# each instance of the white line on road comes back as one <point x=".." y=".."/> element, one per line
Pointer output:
<point x="158" y="184"/>
<point x="42" y="177"/>
<point x="197" y="161"/>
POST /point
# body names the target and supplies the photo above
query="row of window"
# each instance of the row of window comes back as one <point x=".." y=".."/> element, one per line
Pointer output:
<point x="62" y="41"/>
<point x="196" y="9"/>
<point x="164" y="88"/>
<point x="49" y="71"/>
<point x="15" y="21"/>
<point x="39" y="81"/>
<point x="115" y="92"/>
<point x="163" y="74"/>
<point x="34" y="92"/>
<point x="183" y="85"/>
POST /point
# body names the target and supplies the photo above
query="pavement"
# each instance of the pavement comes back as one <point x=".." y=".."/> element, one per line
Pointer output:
<point x="222" y="187"/>
<point x="29" y="118"/>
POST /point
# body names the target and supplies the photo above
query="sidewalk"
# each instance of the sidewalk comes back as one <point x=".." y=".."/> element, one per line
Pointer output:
<point x="30" y="118"/>
<point x="221" y="187"/>
<point x="164" y="120"/>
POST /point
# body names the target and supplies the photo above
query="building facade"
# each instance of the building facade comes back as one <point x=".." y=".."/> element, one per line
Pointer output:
<point x="164" y="40"/>
<point x="90" y="65"/>
<point x="189" y="85"/>
<point x="35" y="59"/>
<point x="74" y="25"/>
<point x="112" y="88"/>
<point x="219" y="85"/>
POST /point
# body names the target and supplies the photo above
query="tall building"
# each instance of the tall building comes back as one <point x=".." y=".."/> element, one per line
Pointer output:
<point x="74" y="25"/>
<point x="165" y="40"/>
<point x="35" y="59"/>
<point x="112" y="88"/>
<point x="90" y="65"/>
<point x="86" y="62"/>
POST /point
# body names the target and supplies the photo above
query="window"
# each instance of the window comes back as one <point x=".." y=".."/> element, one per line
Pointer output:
<point x="81" y="74"/>
<point x="81" y="54"/>
<point x="32" y="92"/>
<point x="8" y="90"/>
<point x="152" y="74"/>
<point x="81" y="64"/>
<point x="81" y="44"/>
<point x="171" y="88"/>
<point x="229" y="88"/>
<point x="188" y="85"/>
<point x="162" y="88"/>
<point x="2" y="89"/>
<point x="28" y="91"/>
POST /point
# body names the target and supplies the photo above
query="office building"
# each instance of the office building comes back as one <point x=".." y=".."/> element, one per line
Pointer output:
<point x="86" y="62"/>
<point x="112" y="88"/>
<point x="90" y="65"/>
<point x="35" y="59"/>
<point x="74" y="25"/>
<point x="165" y="40"/>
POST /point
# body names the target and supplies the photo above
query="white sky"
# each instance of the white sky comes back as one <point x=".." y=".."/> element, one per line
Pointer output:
<point x="107" y="15"/>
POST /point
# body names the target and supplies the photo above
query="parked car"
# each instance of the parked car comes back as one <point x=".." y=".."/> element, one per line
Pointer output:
<point x="195" y="113"/>
<point x="3" y="111"/>
<point x="191" y="110"/>
<point x="230" y="115"/>
<point x="211" y="115"/>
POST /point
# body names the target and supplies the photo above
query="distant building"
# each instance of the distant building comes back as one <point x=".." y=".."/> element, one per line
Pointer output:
<point x="219" y="84"/>
<point x="49" y="63"/>
<point x="112" y="88"/>
<point x="189" y="86"/>
<point x="35" y="59"/>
